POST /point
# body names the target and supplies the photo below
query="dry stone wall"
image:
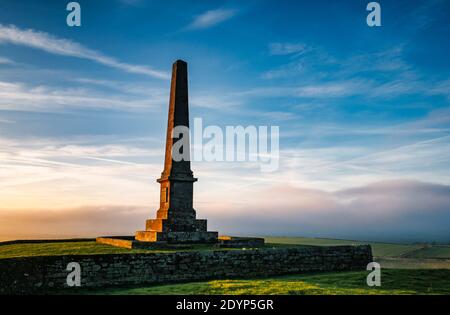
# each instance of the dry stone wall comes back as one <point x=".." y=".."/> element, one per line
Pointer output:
<point x="40" y="274"/>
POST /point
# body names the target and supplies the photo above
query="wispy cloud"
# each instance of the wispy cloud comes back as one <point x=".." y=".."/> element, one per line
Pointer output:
<point x="6" y="121"/>
<point x="126" y="87"/>
<point x="6" y="61"/>
<point x="211" y="18"/>
<point x="131" y="2"/>
<point x="65" y="47"/>
<point x="22" y="97"/>
<point x="62" y="172"/>
<point x="286" y="48"/>
<point x="424" y="14"/>
<point x="315" y="90"/>
<point x="284" y="71"/>
<point x="338" y="89"/>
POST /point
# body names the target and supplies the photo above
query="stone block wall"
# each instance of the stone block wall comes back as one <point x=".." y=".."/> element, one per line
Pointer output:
<point x="40" y="274"/>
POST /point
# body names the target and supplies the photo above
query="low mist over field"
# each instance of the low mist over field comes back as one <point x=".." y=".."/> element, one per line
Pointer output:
<point x="392" y="211"/>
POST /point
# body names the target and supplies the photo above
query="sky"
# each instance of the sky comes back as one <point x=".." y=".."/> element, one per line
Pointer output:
<point x="363" y="114"/>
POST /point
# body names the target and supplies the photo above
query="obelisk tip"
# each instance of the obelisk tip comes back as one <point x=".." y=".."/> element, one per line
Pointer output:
<point x="179" y="62"/>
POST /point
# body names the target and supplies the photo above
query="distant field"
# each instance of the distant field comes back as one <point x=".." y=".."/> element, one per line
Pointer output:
<point x="393" y="282"/>
<point x="430" y="252"/>
<point x="394" y="256"/>
<point x="378" y="249"/>
<point x="413" y="263"/>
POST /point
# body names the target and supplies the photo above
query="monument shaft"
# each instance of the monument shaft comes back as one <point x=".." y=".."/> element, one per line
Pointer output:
<point x="178" y="117"/>
<point x="176" y="197"/>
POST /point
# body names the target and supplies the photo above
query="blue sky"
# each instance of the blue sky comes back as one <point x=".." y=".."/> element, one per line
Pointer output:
<point x="363" y="112"/>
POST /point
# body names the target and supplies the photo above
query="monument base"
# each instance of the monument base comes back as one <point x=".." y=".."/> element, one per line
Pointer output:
<point x="131" y="242"/>
<point x="195" y="237"/>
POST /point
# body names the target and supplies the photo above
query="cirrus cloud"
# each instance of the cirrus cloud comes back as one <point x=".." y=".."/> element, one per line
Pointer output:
<point x="211" y="18"/>
<point x="65" y="47"/>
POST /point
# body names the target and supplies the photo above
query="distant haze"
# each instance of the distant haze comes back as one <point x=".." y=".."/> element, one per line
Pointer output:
<point x="394" y="211"/>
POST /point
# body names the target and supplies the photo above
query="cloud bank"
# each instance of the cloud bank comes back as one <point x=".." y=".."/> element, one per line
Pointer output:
<point x="398" y="210"/>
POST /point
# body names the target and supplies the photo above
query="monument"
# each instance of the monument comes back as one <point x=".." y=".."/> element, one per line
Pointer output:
<point x="176" y="220"/>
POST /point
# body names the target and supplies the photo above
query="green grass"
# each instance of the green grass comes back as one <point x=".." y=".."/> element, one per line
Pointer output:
<point x="393" y="281"/>
<point x="413" y="263"/>
<point x="378" y="249"/>
<point x="87" y="248"/>
<point x="78" y="248"/>
<point x="430" y="252"/>
<point x="65" y="248"/>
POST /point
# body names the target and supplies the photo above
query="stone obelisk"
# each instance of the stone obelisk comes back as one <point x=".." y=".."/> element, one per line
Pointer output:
<point x="176" y="218"/>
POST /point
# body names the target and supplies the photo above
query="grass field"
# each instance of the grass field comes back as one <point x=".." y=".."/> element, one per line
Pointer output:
<point x="78" y="248"/>
<point x="378" y="249"/>
<point x="430" y="252"/>
<point x="49" y="249"/>
<point x="394" y="282"/>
